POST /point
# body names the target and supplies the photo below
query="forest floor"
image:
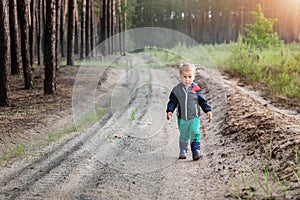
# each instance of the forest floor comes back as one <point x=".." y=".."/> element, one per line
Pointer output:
<point x="250" y="150"/>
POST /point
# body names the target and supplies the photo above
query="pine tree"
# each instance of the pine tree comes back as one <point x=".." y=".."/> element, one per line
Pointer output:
<point x="4" y="53"/>
<point x="260" y="33"/>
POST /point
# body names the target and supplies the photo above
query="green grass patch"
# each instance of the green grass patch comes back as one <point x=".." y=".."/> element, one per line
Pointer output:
<point x="219" y="54"/>
<point x="165" y="56"/>
<point x="85" y="121"/>
<point x="132" y="116"/>
<point x="91" y="62"/>
<point x="70" y="128"/>
<point x="19" y="151"/>
<point x="278" y="68"/>
<point x="90" y="118"/>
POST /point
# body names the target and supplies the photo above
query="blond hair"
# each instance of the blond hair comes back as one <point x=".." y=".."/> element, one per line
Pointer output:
<point x="185" y="66"/>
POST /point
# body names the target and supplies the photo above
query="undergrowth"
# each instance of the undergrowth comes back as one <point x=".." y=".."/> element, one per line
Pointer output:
<point x="277" y="68"/>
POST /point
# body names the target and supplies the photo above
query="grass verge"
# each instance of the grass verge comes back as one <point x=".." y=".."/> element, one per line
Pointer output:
<point x="17" y="152"/>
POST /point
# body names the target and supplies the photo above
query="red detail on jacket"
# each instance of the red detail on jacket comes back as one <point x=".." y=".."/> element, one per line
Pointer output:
<point x="196" y="88"/>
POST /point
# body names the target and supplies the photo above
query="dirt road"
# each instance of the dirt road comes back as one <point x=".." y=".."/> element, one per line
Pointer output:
<point x="132" y="152"/>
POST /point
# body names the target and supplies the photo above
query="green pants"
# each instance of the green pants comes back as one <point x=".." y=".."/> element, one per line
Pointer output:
<point x="189" y="130"/>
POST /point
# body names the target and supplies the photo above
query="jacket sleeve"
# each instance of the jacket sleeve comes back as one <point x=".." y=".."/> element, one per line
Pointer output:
<point x="173" y="102"/>
<point x="203" y="102"/>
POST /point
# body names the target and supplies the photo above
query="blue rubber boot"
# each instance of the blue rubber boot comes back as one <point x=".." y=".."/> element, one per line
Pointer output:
<point x="183" y="150"/>
<point x="195" y="146"/>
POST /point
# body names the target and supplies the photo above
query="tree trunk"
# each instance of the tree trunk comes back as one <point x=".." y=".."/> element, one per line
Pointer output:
<point x="58" y="13"/>
<point x="119" y="22"/>
<point x="62" y="31"/>
<point x="103" y="25"/>
<point x="92" y="25"/>
<point x="4" y="53"/>
<point x="50" y="49"/>
<point x="32" y="31"/>
<point x="112" y="26"/>
<point x="24" y="26"/>
<point x="82" y="37"/>
<point x="70" y="44"/>
<point x="107" y="27"/>
<point x="39" y="32"/>
<point x="76" y="43"/>
<point x="124" y="25"/>
<point x="16" y="60"/>
<point x="87" y="28"/>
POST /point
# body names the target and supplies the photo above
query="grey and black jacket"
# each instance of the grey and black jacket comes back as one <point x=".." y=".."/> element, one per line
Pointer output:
<point x="187" y="101"/>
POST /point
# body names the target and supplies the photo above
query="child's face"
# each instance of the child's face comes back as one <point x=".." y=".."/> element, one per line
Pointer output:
<point x="187" y="77"/>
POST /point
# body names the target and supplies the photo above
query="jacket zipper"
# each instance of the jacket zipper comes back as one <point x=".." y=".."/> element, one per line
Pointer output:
<point x="186" y="100"/>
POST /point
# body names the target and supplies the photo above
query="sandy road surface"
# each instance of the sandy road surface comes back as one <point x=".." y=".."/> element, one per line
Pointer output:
<point x="132" y="152"/>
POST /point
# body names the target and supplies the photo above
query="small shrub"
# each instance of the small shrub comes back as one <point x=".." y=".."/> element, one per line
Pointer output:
<point x="260" y="34"/>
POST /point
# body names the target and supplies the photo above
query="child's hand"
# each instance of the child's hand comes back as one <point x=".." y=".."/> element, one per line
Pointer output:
<point x="209" y="115"/>
<point x="169" y="115"/>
